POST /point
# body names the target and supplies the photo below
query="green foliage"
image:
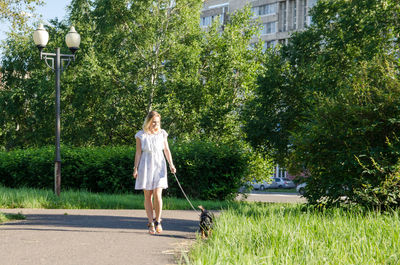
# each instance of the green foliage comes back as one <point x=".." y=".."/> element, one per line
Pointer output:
<point x="381" y="189"/>
<point x="229" y="71"/>
<point x="27" y="97"/>
<point x="134" y="56"/>
<point x="260" y="167"/>
<point x="268" y="115"/>
<point x="327" y="103"/>
<point x="107" y="169"/>
<point x="206" y="170"/>
<point x="382" y="197"/>
<point x="350" y="133"/>
<point x="17" y="12"/>
<point x="261" y="233"/>
<point x="343" y="34"/>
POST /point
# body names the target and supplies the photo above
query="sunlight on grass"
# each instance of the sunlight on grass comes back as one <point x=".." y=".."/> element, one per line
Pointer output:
<point x="37" y="198"/>
<point x="255" y="233"/>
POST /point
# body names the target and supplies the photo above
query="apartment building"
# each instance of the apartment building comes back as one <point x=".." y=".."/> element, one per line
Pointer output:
<point x="278" y="18"/>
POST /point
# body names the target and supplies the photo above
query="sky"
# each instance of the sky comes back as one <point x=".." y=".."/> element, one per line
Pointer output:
<point x="51" y="9"/>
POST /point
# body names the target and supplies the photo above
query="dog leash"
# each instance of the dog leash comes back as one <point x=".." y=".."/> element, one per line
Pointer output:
<point x="179" y="184"/>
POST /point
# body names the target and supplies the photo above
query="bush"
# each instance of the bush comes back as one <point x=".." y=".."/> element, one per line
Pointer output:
<point x="350" y="145"/>
<point x="383" y="192"/>
<point x="206" y="170"/>
<point x="384" y="197"/>
<point x="98" y="169"/>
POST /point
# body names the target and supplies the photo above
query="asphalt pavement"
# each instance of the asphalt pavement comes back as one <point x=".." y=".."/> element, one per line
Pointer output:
<point x="93" y="237"/>
<point x="263" y="196"/>
<point x="85" y="237"/>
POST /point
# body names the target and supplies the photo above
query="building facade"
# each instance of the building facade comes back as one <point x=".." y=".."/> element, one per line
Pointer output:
<point x="278" y="18"/>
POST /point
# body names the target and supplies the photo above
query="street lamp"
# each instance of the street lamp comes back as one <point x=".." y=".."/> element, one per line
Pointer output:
<point x="73" y="39"/>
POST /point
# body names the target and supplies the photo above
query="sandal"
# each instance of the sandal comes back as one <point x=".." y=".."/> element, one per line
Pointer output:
<point x="152" y="230"/>
<point x="158" y="227"/>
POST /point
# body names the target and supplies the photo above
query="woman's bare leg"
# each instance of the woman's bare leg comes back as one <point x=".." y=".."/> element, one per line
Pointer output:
<point x="148" y="204"/>
<point x="158" y="203"/>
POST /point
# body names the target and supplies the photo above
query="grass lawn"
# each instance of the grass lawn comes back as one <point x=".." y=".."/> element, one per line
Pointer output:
<point x="261" y="233"/>
<point x="37" y="198"/>
<point x="252" y="233"/>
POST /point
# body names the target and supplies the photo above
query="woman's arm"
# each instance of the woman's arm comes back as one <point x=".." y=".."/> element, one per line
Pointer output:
<point x="138" y="154"/>
<point x="168" y="155"/>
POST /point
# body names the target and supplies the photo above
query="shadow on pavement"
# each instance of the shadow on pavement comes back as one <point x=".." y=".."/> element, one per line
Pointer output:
<point x="54" y="222"/>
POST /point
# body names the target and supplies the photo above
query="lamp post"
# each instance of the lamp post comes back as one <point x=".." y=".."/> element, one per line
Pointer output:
<point x="72" y="39"/>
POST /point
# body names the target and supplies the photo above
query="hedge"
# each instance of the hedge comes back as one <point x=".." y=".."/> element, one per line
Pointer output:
<point x="205" y="170"/>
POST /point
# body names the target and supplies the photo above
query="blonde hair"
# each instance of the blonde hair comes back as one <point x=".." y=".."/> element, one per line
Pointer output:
<point x="149" y="119"/>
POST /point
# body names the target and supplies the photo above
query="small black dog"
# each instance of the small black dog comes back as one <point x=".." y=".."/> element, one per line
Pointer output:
<point x="206" y="222"/>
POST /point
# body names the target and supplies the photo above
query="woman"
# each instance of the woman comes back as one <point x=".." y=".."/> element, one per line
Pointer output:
<point x="150" y="169"/>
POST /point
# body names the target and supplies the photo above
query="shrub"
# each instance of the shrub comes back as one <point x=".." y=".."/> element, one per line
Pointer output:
<point x="383" y="191"/>
<point x="98" y="169"/>
<point x="350" y="145"/>
<point x="206" y="170"/>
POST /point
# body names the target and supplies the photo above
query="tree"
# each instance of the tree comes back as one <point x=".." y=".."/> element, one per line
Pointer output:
<point x="229" y="70"/>
<point x="321" y="68"/>
<point x="268" y="114"/>
<point x="17" y="11"/>
<point x="134" y="56"/>
<point x="350" y="141"/>
<point x="27" y="98"/>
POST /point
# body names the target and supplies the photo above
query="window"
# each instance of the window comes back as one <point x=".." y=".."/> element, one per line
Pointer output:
<point x="269" y="44"/>
<point x="272" y="44"/>
<point x="283" y="16"/>
<point x="207" y="21"/>
<point x="311" y="3"/>
<point x="267" y="9"/>
<point x="294" y="15"/>
<point x="305" y="13"/>
<point x="254" y="11"/>
<point x="264" y="10"/>
<point x="268" y="28"/>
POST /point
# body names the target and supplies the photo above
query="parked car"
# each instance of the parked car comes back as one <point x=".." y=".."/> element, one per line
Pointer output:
<point x="259" y="185"/>
<point x="301" y="188"/>
<point x="282" y="183"/>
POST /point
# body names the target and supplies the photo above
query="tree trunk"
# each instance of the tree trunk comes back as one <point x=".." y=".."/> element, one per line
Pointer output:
<point x="152" y="87"/>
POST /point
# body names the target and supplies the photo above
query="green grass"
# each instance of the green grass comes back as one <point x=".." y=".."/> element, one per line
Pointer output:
<point x="37" y="198"/>
<point x="257" y="233"/>
<point x="9" y="217"/>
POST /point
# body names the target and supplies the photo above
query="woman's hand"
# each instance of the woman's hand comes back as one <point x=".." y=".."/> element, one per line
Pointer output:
<point x="172" y="168"/>
<point x="135" y="174"/>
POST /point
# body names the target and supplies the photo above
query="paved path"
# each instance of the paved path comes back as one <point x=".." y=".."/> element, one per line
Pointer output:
<point x="93" y="237"/>
<point x="275" y="197"/>
<point x="114" y="237"/>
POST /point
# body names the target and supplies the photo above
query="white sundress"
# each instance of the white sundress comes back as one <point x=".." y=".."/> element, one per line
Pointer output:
<point x="152" y="169"/>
